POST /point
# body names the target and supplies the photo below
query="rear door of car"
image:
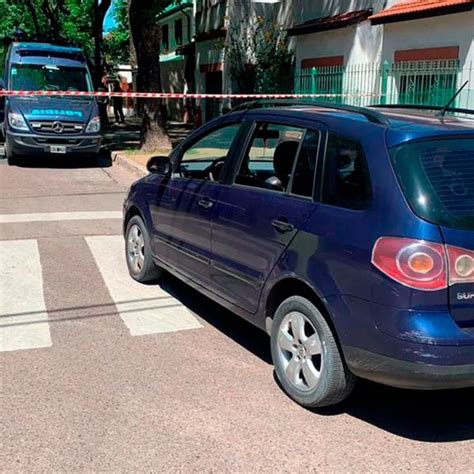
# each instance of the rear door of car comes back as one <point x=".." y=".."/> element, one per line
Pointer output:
<point x="255" y="219"/>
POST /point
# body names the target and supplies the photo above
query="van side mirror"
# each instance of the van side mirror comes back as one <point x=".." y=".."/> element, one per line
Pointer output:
<point x="2" y="85"/>
<point x="159" y="165"/>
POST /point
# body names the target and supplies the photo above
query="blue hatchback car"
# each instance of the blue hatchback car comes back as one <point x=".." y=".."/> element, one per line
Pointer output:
<point x="346" y="233"/>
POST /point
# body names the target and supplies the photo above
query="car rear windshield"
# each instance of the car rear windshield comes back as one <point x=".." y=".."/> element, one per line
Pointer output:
<point x="437" y="177"/>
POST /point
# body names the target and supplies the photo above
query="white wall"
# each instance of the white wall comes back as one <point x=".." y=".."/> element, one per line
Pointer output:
<point x="293" y="12"/>
<point x="358" y="44"/>
<point x="436" y="32"/>
<point x="170" y="52"/>
<point x="447" y="30"/>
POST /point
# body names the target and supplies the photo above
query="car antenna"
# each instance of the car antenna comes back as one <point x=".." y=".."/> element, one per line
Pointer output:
<point x="443" y="111"/>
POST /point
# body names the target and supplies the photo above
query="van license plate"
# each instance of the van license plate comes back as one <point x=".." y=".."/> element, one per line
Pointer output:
<point x="58" y="149"/>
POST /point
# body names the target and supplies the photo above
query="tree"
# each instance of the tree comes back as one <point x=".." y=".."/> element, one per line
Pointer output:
<point x="146" y="36"/>
<point x="77" y="21"/>
<point x="259" y="56"/>
<point x="117" y="41"/>
<point x="100" y="10"/>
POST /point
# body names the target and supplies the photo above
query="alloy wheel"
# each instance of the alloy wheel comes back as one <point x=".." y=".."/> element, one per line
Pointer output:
<point x="136" y="248"/>
<point x="300" y="351"/>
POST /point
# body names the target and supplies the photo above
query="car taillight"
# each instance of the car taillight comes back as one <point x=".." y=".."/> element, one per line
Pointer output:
<point x="461" y="265"/>
<point x="413" y="263"/>
<point x="423" y="265"/>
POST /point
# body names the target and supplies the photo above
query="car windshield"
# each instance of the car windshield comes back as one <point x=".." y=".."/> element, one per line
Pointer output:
<point x="437" y="177"/>
<point x="30" y="77"/>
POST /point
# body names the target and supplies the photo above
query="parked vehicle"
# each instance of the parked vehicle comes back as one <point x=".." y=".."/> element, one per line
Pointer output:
<point x="346" y="233"/>
<point x="39" y="126"/>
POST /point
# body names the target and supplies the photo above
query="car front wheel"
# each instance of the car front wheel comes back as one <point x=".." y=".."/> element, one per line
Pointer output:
<point x="138" y="252"/>
<point x="307" y="360"/>
<point x="10" y="156"/>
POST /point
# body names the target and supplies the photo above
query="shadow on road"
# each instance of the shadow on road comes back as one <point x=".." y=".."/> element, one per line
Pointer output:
<point x="438" y="416"/>
<point x="430" y="416"/>
<point x="234" y="327"/>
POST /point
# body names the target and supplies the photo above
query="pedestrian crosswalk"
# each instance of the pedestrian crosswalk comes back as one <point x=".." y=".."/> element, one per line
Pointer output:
<point x="24" y="320"/>
<point x="144" y="309"/>
<point x="24" y="323"/>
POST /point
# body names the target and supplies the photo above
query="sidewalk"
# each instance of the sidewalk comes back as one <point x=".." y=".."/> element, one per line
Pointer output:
<point x="123" y="141"/>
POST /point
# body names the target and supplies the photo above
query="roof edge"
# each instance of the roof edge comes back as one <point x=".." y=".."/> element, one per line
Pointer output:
<point x="332" y="22"/>
<point x="395" y="17"/>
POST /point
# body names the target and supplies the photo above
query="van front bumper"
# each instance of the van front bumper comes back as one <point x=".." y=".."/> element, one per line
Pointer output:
<point x="29" y="144"/>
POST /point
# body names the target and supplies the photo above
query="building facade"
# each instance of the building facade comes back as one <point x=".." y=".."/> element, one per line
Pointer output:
<point x="355" y="51"/>
<point x="177" y="33"/>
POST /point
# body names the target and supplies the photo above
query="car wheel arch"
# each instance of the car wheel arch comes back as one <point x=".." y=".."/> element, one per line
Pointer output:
<point x="132" y="212"/>
<point x="291" y="286"/>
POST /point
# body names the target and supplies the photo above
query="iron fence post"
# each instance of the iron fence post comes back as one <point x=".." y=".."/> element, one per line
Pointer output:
<point x="384" y="84"/>
<point x="314" y="74"/>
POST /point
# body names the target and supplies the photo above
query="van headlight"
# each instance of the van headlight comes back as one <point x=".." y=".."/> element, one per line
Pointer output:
<point x="94" y="125"/>
<point x="17" y="121"/>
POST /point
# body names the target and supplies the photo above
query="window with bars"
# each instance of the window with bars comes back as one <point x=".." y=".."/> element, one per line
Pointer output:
<point x="426" y="82"/>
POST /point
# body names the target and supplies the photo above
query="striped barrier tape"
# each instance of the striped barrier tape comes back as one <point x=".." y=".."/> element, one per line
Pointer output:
<point x="166" y="95"/>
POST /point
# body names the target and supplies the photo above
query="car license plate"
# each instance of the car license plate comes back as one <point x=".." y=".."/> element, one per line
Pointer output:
<point x="58" y="149"/>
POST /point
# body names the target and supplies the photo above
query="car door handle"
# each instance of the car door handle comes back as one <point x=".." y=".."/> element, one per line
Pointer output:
<point x="205" y="203"/>
<point x="282" y="225"/>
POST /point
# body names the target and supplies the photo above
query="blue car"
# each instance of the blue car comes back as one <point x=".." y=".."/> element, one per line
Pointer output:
<point x="346" y="233"/>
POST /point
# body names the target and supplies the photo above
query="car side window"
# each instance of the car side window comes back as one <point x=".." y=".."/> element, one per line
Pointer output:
<point x="346" y="181"/>
<point x="205" y="158"/>
<point x="270" y="158"/>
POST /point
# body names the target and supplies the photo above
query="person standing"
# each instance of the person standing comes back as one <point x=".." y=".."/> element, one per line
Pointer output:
<point x="118" y="104"/>
<point x="102" y="103"/>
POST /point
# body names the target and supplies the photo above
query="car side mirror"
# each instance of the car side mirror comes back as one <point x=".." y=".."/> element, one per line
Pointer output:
<point x="159" y="165"/>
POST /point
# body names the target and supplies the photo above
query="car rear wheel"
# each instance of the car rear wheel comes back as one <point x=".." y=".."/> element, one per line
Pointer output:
<point x="307" y="360"/>
<point x="138" y="252"/>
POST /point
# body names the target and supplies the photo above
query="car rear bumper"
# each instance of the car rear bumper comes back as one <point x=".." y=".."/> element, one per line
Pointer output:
<point x="29" y="144"/>
<point x="404" y="374"/>
<point x="403" y="348"/>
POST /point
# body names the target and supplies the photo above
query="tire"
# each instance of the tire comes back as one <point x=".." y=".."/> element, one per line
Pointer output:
<point x="307" y="360"/>
<point x="10" y="156"/>
<point x="138" y="253"/>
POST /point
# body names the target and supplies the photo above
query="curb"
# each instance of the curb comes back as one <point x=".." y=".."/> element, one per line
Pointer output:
<point x="129" y="164"/>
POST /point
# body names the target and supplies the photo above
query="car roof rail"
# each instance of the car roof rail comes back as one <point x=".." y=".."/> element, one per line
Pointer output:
<point x="370" y="114"/>
<point x="425" y="107"/>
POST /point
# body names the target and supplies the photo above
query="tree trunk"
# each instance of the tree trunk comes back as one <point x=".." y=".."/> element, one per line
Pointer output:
<point x="34" y="17"/>
<point x="100" y="10"/>
<point x="146" y="36"/>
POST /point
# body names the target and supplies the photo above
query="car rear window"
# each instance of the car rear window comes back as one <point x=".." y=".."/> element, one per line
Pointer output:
<point x="437" y="177"/>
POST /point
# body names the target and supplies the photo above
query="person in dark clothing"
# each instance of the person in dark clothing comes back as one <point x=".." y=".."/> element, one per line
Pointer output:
<point x="118" y="104"/>
<point x="102" y="103"/>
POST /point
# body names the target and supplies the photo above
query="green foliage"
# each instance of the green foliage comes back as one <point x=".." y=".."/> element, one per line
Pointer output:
<point x="117" y="41"/>
<point x="77" y="24"/>
<point x="259" y="56"/>
<point x="70" y="19"/>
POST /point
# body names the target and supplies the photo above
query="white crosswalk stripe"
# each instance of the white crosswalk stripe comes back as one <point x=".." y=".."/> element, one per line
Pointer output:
<point x="23" y="316"/>
<point x="24" y="320"/>
<point x="59" y="216"/>
<point x="144" y="309"/>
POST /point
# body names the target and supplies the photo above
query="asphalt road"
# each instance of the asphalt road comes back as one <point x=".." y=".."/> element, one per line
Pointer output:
<point x="102" y="374"/>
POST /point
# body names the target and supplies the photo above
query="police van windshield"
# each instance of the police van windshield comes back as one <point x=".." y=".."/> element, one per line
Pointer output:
<point x="32" y="77"/>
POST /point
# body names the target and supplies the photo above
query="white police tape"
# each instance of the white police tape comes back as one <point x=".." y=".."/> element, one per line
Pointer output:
<point x="167" y="95"/>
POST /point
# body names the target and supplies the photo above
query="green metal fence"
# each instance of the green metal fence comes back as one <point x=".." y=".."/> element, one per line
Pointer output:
<point x="418" y="83"/>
